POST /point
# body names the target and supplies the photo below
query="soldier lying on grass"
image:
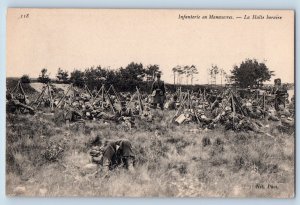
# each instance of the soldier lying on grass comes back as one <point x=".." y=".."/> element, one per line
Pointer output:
<point x="15" y="104"/>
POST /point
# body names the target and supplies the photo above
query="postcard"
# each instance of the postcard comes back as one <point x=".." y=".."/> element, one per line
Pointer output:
<point x="150" y="103"/>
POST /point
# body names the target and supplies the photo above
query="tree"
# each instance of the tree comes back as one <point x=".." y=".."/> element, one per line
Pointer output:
<point x="150" y="72"/>
<point x="213" y="72"/>
<point x="180" y="72"/>
<point x="175" y="70"/>
<point x="131" y="76"/>
<point x="77" y="78"/>
<point x="187" y="72"/>
<point x="251" y="73"/>
<point x="62" y="76"/>
<point x="227" y="78"/>
<point x="193" y="71"/>
<point x="223" y="74"/>
<point x="25" y="79"/>
<point x="123" y="79"/>
<point x="44" y="77"/>
<point x="95" y="77"/>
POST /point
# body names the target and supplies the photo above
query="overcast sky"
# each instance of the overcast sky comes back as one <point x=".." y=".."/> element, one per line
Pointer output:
<point x="82" y="38"/>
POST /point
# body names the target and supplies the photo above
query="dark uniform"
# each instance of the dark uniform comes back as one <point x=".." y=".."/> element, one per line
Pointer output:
<point x="72" y="115"/>
<point x="158" y="93"/>
<point x="172" y="103"/>
<point x="114" y="154"/>
<point x="281" y="94"/>
<point x="14" y="104"/>
<point x="124" y="114"/>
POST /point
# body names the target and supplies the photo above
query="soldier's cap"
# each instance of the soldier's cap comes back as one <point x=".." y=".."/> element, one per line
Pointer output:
<point x="158" y="75"/>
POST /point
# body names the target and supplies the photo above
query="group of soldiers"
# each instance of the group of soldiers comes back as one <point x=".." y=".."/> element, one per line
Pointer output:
<point x="227" y="108"/>
<point x="208" y="108"/>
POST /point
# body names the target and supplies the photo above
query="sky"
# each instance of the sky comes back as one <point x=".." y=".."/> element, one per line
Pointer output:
<point x="77" y="39"/>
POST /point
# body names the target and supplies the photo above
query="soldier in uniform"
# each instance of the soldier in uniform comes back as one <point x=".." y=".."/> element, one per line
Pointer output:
<point x="72" y="115"/>
<point x="158" y="92"/>
<point x="124" y="115"/>
<point x="14" y="105"/>
<point x="147" y="115"/>
<point x="291" y="106"/>
<point x="255" y="111"/>
<point x="113" y="154"/>
<point x="94" y="92"/>
<point x="172" y="104"/>
<point x="280" y="92"/>
<point x="124" y="112"/>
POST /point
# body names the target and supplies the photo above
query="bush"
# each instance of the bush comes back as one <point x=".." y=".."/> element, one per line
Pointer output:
<point x="44" y="77"/>
<point x="25" y="79"/>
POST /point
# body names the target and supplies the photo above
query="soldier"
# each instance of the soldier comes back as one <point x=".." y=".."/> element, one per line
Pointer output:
<point x="14" y="104"/>
<point x="94" y="92"/>
<point x="216" y="102"/>
<point x="125" y="115"/>
<point x="136" y="109"/>
<point x="291" y="106"/>
<point x="280" y="92"/>
<point x="203" y="118"/>
<point x="271" y="114"/>
<point x="255" y="112"/>
<point x="172" y="104"/>
<point x="113" y="154"/>
<point x="124" y="111"/>
<point x="158" y="92"/>
<point x="283" y="111"/>
<point x="230" y="119"/>
<point x="222" y="117"/>
<point x="72" y="115"/>
<point x="147" y="115"/>
<point x="88" y="111"/>
<point x="22" y="99"/>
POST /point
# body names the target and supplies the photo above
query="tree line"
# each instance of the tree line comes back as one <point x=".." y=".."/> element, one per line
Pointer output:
<point x="179" y="72"/>
<point x="250" y="73"/>
<point x="124" y="79"/>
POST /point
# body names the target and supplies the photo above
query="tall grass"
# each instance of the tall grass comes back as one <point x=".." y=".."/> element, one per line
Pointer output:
<point x="172" y="160"/>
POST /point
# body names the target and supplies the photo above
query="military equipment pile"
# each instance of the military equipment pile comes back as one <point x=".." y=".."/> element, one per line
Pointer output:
<point x="232" y="109"/>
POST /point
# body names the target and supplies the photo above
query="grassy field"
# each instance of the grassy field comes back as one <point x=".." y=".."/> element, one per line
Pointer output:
<point x="177" y="161"/>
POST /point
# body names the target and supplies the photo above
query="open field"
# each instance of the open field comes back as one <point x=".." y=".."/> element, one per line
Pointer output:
<point x="180" y="161"/>
<point x="176" y="162"/>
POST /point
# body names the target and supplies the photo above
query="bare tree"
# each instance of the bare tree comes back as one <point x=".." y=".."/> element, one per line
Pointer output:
<point x="175" y="70"/>
<point x="193" y="71"/>
<point x="179" y="74"/>
<point x="213" y="72"/>
<point x="187" y="72"/>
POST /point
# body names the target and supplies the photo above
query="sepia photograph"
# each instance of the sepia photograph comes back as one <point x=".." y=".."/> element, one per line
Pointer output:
<point x="150" y="103"/>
